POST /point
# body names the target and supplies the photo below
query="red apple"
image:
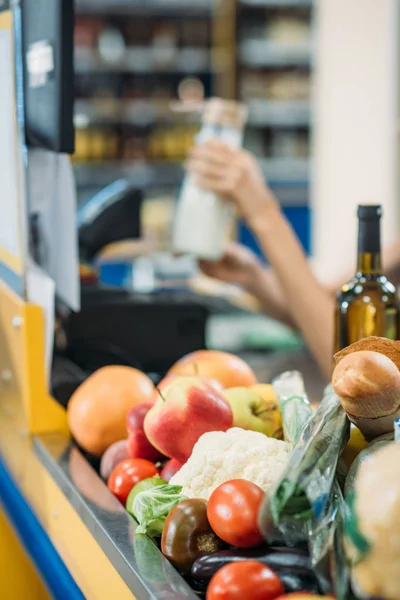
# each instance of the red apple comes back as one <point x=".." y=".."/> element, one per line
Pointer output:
<point x="138" y="444"/>
<point x="168" y="379"/>
<point x="170" y="468"/>
<point x="137" y="414"/>
<point x="188" y="407"/>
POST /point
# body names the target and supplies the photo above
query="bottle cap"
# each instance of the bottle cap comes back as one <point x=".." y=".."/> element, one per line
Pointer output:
<point x="369" y="212"/>
<point x="225" y="113"/>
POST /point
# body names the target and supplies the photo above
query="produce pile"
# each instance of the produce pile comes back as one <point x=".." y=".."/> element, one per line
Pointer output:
<point x="247" y="491"/>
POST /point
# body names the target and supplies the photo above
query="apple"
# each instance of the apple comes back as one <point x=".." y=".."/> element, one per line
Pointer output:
<point x="188" y="407"/>
<point x="164" y="384"/>
<point x="170" y="468"/>
<point x="138" y="444"/>
<point x="255" y="408"/>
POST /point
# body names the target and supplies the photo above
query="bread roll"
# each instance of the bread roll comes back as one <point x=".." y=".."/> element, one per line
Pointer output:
<point x="368" y="385"/>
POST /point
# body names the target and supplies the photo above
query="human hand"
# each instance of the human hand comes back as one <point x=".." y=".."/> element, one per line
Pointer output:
<point x="232" y="173"/>
<point x="239" y="265"/>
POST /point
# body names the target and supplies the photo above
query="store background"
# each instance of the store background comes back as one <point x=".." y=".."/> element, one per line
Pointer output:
<point x="320" y="79"/>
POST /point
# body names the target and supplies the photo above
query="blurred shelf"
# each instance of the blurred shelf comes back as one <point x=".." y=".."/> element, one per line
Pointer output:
<point x="261" y="53"/>
<point x="286" y="170"/>
<point x="277" y="3"/>
<point x="142" y="174"/>
<point x="138" y="113"/>
<point x="144" y="7"/>
<point x="296" y="113"/>
<point x="168" y="174"/>
<point x="144" y="59"/>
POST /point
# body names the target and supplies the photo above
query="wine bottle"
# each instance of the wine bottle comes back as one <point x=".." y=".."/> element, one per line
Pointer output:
<point x="367" y="305"/>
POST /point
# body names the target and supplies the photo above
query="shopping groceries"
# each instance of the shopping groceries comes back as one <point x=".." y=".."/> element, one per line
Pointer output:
<point x="138" y="443"/>
<point x="127" y="474"/>
<point x="97" y="410"/>
<point x="231" y="371"/>
<point x="255" y="408"/>
<point x="239" y="512"/>
<point x="236" y="454"/>
<point x="187" y="534"/>
<point x="247" y="579"/>
<point x="367" y="381"/>
<point x="188" y="408"/>
<point x="232" y="511"/>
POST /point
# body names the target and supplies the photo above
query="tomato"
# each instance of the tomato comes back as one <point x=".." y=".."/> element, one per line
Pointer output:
<point x="127" y="474"/>
<point x="244" y="580"/>
<point x="233" y="513"/>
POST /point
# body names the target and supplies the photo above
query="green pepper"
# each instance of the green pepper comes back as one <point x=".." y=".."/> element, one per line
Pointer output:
<point x="187" y="534"/>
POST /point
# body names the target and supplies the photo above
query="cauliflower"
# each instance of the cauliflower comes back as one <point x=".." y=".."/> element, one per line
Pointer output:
<point x="220" y="456"/>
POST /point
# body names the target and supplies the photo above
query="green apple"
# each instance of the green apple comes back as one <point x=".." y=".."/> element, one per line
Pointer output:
<point x="255" y="409"/>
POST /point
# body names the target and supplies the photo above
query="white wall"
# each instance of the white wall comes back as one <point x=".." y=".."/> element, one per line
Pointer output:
<point x="355" y="132"/>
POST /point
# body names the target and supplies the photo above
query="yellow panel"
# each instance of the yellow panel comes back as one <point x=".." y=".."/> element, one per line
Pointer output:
<point x="19" y="580"/>
<point x="25" y="400"/>
<point x="27" y="408"/>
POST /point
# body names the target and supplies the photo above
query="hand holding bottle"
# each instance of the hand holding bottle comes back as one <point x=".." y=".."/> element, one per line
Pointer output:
<point x="239" y="266"/>
<point x="234" y="174"/>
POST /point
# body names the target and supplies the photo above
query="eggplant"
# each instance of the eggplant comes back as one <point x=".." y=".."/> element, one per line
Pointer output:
<point x="304" y="581"/>
<point x="292" y="566"/>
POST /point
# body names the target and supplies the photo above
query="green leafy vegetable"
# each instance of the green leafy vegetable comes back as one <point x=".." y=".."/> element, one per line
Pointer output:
<point x="145" y="484"/>
<point x="151" y="507"/>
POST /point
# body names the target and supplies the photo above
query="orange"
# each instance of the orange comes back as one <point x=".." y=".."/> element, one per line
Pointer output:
<point x="98" y="409"/>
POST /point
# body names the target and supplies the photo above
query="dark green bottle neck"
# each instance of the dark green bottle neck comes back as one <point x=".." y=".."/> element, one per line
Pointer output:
<point x="369" y="247"/>
<point x="369" y="263"/>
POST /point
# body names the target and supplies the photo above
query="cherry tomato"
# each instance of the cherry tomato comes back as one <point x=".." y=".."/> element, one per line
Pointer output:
<point x="127" y="474"/>
<point x="233" y="513"/>
<point x="244" y="580"/>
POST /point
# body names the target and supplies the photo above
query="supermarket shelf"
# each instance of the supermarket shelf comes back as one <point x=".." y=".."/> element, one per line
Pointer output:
<point x="278" y="171"/>
<point x="286" y="170"/>
<point x="277" y="3"/>
<point x="140" y="174"/>
<point x="139" y="113"/>
<point x="142" y="59"/>
<point x="279" y="113"/>
<point x="143" y="113"/>
<point x="143" y="7"/>
<point x="145" y="571"/>
<point x="261" y="53"/>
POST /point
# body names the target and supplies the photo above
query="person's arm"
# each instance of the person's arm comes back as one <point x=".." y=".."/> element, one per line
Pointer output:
<point x="240" y="266"/>
<point x="390" y="264"/>
<point x="236" y="175"/>
<point x="311" y="305"/>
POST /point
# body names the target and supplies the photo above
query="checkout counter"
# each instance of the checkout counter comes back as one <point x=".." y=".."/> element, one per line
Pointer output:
<point x="63" y="535"/>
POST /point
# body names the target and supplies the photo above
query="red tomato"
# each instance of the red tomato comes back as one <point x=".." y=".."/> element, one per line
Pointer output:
<point x="244" y="580"/>
<point x="127" y="474"/>
<point x="233" y="513"/>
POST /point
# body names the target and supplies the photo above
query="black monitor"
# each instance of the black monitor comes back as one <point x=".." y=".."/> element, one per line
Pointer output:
<point x="47" y="36"/>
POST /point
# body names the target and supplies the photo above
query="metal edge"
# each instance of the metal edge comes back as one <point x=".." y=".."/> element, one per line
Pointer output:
<point x="146" y="573"/>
